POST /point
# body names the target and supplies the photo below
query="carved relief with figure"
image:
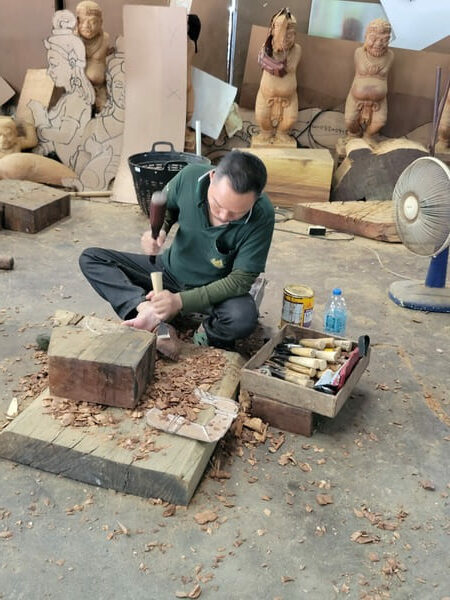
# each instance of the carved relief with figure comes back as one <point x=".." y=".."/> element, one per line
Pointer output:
<point x="277" y="101"/>
<point x="96" y="159"/>
<point x="60" y="128"/>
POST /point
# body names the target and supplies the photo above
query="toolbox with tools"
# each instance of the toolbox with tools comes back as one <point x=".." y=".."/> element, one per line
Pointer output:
<point x="301" y="372"/>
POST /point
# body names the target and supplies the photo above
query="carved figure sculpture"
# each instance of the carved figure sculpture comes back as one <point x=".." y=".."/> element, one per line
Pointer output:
<point x="96" y="42"/>
<point x="60" y="128"/>
<point x="277" y="102"/>
<point x="194" y="27"/>
<point x="366" y="104"/>
<point x="97" y="158"/>
<point x="443" y="143"/>
<point x="10" y="140"/>
<point x="17" y="165"/>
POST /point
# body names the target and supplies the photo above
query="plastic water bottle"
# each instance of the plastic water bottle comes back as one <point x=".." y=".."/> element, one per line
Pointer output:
<point x="335" y="319"/>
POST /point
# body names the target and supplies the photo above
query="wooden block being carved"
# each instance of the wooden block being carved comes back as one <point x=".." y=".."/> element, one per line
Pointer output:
<point x="31" y="207"/>
<point x="106" y="364"/>
<point x="283" y="416"/>
<point x="296" y="174"/>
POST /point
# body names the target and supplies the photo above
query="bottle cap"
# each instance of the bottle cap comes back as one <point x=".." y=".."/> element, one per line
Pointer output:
<point x="337" y="291"/>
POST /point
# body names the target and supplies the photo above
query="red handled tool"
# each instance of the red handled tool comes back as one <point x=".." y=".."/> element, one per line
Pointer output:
<point x="157" y="212"/>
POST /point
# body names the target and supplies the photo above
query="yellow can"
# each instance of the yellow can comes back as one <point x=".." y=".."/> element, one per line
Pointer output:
<point x="298" y="304"/>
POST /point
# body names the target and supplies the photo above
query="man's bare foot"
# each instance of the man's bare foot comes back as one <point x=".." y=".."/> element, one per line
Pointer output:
<point x="145" y="319"/>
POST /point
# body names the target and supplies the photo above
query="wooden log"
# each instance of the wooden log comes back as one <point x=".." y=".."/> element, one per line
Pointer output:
<point x="370" y="173"/>
<point x="111" y="367"/>
<point x="296" y="175"/>
<point x="283" y="416"/>
<point x="374" y="220"/>
<point x="29" y="208"/>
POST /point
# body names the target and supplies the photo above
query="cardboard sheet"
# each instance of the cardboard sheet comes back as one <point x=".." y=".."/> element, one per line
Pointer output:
<point x="213" y="101"/>
<point x="6" y="91"/>
<point x="155" y="105"/>
<point x="418" y="24"/>
<point x="342" y="20"/>
<point x="326" y="72"/>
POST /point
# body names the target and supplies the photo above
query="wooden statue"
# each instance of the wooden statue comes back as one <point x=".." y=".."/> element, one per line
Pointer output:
<point x="10" y="140"/>
<point x="60" y="128"/>
<point x="17" y="165"/>
<point x="194" y="27"/>
<point x="366" y="105"/>
<point x="277" y="102"/>
<point x="97" y="157"/>
<point x="443" y="143"/>
<point x="96" y="42"/>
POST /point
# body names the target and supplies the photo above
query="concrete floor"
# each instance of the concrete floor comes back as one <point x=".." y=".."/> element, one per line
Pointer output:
<point x="273" y="540"/>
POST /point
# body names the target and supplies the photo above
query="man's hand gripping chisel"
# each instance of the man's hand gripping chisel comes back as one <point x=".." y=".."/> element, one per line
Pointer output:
<point x="157" y="211"/>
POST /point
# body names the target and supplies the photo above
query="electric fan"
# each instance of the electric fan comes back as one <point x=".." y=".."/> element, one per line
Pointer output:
<point x="421" y="200"/>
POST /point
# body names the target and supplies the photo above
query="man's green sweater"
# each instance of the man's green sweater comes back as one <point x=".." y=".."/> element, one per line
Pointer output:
<point x="213" y="263"/>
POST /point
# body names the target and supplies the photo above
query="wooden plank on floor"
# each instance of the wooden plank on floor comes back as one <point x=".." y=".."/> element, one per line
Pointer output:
<point x="93" y="454"/>
<point x="373" y="220"/>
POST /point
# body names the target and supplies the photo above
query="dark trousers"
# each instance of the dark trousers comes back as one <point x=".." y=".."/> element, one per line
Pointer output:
<point x="123" y="279"/>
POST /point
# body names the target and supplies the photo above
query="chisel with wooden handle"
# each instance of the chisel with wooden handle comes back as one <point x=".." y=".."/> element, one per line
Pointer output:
<point x="157" y="284"/>
<point x="313" y="363"/>
<point x="290" y="376"/>
<point x="297" y="350"/>
<point x="299" y="368"/>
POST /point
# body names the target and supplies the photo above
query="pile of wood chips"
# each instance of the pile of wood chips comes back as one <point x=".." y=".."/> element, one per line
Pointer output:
<point x="171" y="390"/>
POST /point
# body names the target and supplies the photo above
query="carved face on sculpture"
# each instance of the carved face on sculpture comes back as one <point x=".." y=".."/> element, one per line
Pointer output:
<point x="378" y="35"/>
<point x="283" y="31"/>
<point x="8" y="134"/>
<point x="57" y="69"/>
<point x="89" y="19"/>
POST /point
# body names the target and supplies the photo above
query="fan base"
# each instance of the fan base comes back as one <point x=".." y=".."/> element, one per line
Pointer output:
<point x="409" y="294"/>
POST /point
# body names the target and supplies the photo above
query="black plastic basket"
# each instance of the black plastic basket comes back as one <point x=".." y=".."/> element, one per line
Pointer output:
<point x="152" y="170"/>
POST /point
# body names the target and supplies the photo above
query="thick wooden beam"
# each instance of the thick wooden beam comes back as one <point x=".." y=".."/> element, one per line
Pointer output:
<point x="95" y="455"/>
<point x="283" y="416"/>
<point x="30" y="207"/>
<point x="111" y="367"/>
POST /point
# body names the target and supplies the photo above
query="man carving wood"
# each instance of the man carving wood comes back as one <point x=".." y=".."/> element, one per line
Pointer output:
<point x="225" y="226"/>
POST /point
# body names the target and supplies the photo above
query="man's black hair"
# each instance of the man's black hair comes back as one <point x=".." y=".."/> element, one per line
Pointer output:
<point x="245" y="171"/>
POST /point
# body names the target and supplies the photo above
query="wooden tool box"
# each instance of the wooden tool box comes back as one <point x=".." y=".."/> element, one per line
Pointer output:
<point x="286" y="405"/>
